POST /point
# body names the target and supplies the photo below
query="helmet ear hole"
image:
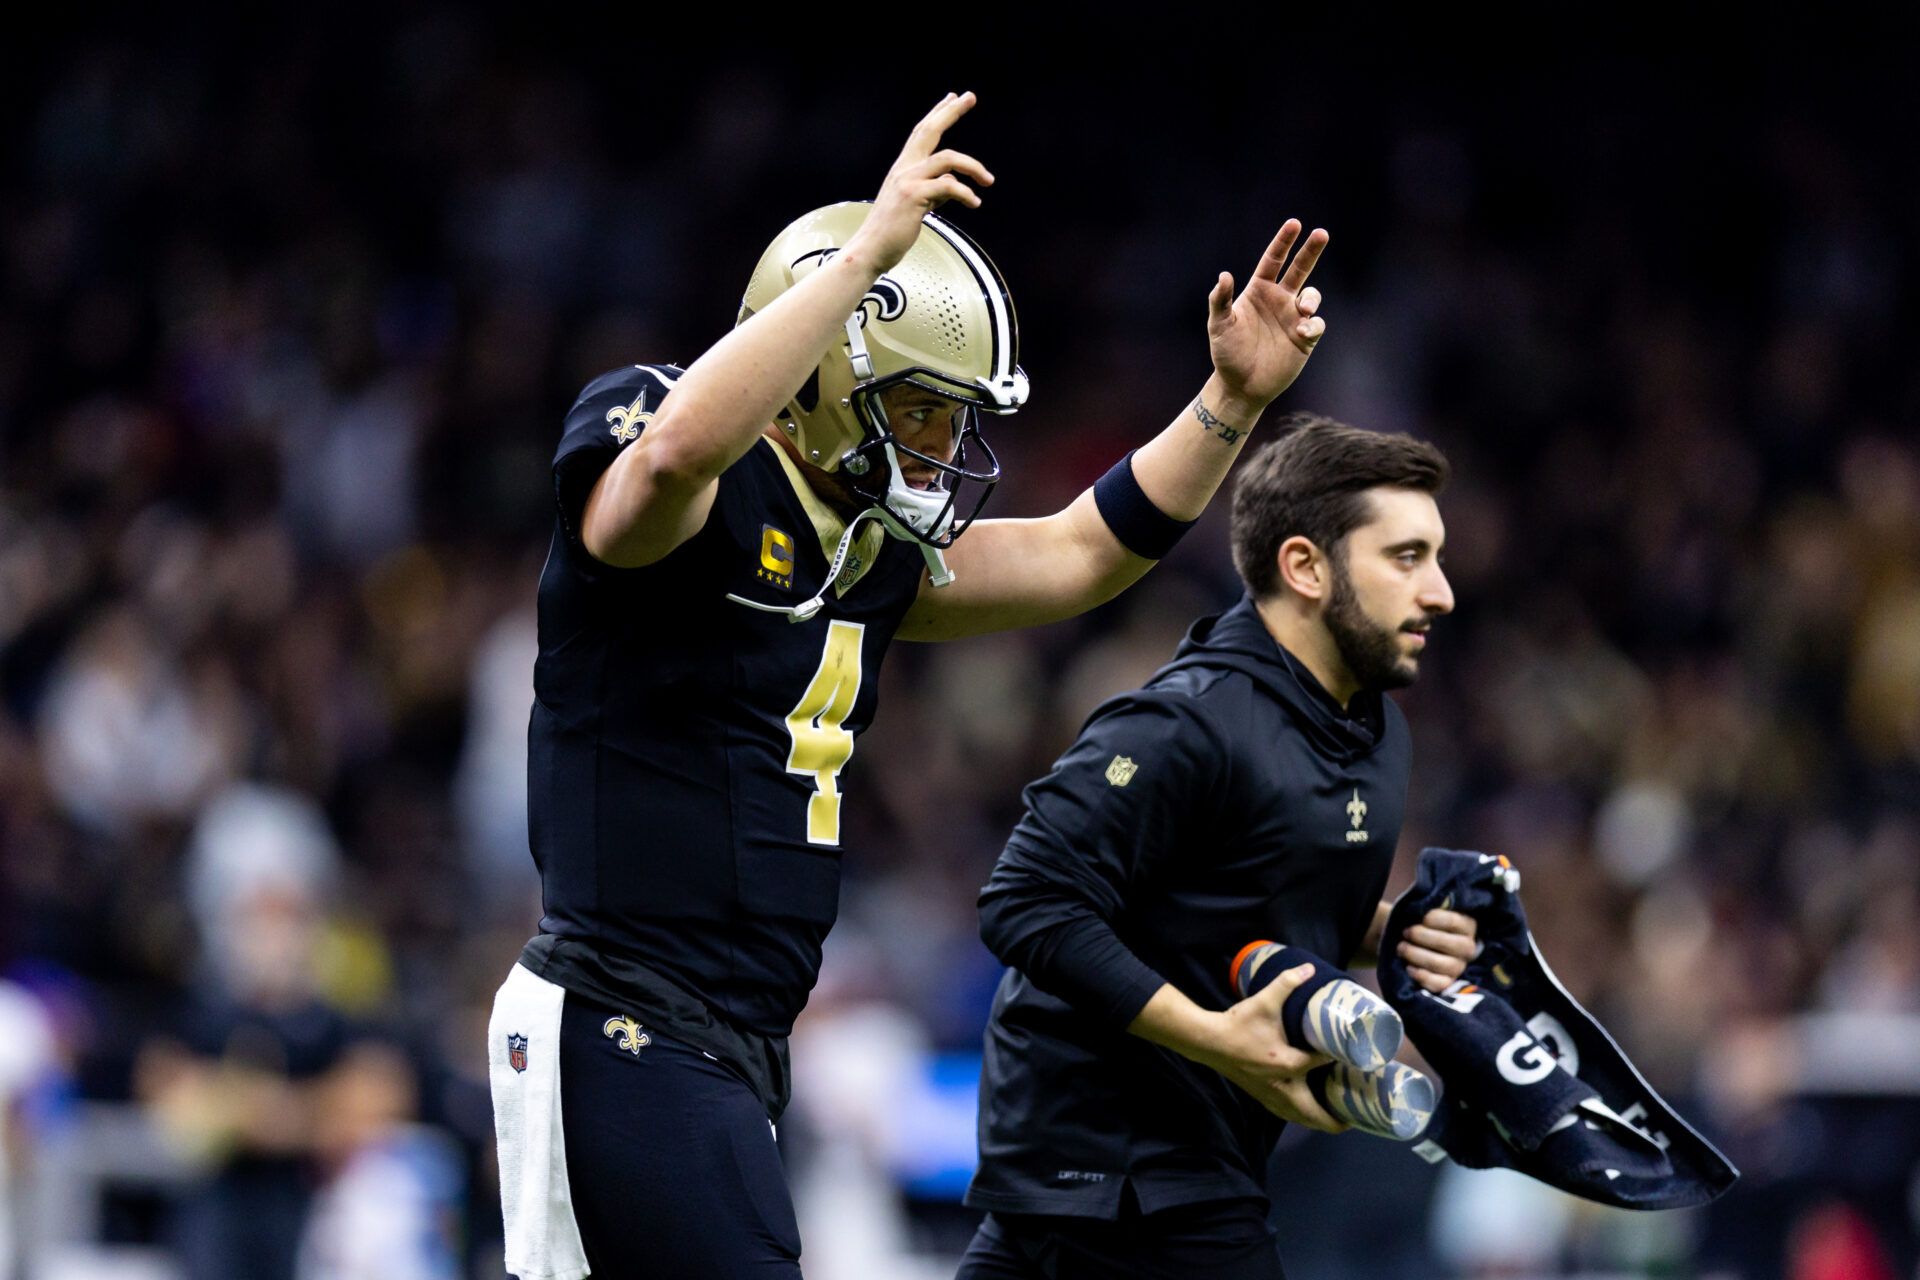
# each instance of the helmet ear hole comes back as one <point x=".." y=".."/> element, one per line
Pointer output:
<point x="808" y="397"/>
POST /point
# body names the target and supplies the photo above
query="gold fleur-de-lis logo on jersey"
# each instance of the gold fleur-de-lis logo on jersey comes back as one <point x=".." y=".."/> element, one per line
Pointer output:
<point x="627" y="420"/>
<point x="632" y="1038"/>
<point x="1121" y="771"/>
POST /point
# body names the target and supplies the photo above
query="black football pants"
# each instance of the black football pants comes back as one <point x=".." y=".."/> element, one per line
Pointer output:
<point x="1225" y="1238"/>
<point x="670" y="1160"/>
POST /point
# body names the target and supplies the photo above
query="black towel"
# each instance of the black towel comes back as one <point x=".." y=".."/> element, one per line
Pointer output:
<point x="1532" y="1081"/>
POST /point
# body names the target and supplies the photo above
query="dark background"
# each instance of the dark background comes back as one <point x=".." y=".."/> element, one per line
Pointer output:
<point x="290" y="310"/>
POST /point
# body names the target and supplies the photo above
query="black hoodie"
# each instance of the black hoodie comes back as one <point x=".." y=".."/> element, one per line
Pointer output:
<point x="1228" y="800"/>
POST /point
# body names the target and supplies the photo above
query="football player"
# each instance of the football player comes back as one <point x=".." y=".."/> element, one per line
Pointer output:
<point x="737" y="543"/>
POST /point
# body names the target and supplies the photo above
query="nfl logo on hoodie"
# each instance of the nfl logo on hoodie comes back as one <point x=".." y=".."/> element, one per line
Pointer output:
<point x="517" y="1052"/>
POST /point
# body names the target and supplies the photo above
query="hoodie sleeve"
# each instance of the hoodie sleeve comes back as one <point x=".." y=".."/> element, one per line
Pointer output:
<point x="1135" y="788"/>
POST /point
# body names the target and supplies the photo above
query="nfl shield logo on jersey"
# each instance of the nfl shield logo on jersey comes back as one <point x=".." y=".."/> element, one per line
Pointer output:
<point x="517" y="1052"/>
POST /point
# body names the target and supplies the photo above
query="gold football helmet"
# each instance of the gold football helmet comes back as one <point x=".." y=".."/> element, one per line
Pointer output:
<point x="941" y="319"/>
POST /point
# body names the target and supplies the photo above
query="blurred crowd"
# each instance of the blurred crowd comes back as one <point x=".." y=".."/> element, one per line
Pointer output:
<point x="288" y="321"/>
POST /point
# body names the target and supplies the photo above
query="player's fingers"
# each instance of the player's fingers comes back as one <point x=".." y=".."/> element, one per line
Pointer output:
<point x="1438" y="961"/>
<point x="1278" y="1064"/>
<point x="1308" y="302"/>
<point x="1306" y="1108"/>
<point x="1220" y="300"/>
<point x="948" y="187"/>
<point x="1276" y="992"/>
<point x="1434" y="982"/>
<point x="1453" y="944"/>
<point x="1450" y="921"/>
<point x="1311" y="330"/>
<point x="1264" y="1004"/>
<point x="926" y="135"/>
<point x="1296" y="1061"/>
<point x="1276" y="255"/>
<point x="950" y="161"/>
<point x="1296" y="277"/>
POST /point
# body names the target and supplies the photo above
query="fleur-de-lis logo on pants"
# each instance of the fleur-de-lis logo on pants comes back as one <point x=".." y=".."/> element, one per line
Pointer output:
<point x="632" y="1038"/>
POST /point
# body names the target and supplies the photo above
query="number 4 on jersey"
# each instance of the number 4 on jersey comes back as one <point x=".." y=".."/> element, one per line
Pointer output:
<point x="821" y="746"/>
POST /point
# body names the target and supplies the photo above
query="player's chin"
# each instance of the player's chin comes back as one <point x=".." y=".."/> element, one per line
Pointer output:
<point x="1404" y="673"/>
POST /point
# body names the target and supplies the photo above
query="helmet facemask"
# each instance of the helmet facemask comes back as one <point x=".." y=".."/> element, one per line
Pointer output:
<point x="960" y="485"/>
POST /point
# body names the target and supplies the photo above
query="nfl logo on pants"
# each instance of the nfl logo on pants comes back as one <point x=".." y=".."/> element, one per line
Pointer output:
<point x="517" y="1052"/>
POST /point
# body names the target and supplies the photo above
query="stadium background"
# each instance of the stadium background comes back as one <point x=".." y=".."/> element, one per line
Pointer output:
<point x="289" y="316"/>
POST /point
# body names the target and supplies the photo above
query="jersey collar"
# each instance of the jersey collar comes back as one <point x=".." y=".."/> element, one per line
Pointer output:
<point x="828" y="526"/>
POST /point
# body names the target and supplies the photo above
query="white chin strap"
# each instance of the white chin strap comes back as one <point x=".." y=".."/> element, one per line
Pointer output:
<point x="936" y="566"/>
<point x="937" y="572"/>
<point x="927" y="511"/>
<point x="857" y="346"/>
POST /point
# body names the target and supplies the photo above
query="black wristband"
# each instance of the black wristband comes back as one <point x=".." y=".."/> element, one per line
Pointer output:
<point x="1141" y="527"/>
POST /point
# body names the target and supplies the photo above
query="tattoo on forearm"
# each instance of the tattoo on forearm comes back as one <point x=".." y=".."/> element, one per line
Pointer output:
<point x="1214" y="425"/>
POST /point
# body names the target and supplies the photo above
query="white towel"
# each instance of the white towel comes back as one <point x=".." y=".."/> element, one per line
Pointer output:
<point x="523" y="1063"/>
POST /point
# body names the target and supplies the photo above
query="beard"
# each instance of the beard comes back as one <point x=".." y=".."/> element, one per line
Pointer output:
<point x="1371" y="651"/>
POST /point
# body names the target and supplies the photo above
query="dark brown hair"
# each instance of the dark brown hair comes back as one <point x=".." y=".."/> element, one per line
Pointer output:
<point x="1311" y="482"/>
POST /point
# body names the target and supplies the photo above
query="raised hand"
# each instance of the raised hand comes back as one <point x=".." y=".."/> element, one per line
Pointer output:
<point x="921" y="180"/>
<point x="1261" y="340"/>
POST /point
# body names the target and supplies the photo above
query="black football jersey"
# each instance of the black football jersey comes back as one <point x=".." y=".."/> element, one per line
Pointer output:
<point x="688" y="752"/>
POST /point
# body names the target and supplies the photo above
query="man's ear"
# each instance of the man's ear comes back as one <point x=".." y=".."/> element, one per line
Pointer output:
<point x="1304" y="569"/>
